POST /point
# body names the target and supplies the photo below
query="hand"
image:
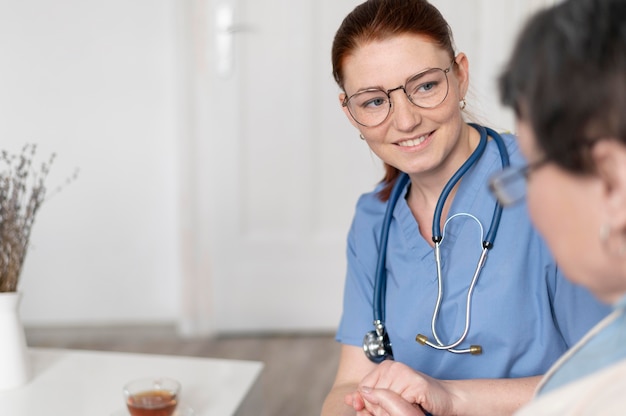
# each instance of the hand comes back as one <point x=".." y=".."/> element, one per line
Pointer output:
<point x="383" y="402"/>
<point x="430" y="394"/>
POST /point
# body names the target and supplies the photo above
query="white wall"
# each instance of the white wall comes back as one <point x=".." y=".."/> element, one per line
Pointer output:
<point x="95" y="82"/>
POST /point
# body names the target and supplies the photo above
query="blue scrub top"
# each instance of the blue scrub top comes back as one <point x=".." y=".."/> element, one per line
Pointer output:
<point x="524" y="314"/>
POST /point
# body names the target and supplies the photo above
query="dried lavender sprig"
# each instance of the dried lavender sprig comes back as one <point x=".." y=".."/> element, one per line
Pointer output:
<point x="22" y="192"/>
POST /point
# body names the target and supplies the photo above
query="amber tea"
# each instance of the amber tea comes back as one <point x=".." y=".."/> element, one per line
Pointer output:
<point x="152" y="403"/>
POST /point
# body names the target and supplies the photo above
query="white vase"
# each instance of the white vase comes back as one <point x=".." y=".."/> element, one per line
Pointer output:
<point x="15" y="367"/>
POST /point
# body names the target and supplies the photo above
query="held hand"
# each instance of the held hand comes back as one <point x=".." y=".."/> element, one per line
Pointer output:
<point x="383" y="402"/>
<point x="415" y="388"/>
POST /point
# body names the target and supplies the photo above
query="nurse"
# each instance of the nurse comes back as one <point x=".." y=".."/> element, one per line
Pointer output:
<point x="392" y="59"/>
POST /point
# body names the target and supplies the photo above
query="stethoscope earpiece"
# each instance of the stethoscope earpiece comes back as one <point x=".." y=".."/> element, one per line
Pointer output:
<point x="421" y="339"/>
<point x="473" y="349"/>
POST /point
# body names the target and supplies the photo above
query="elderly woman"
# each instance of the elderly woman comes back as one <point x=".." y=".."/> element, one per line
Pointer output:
<point x="566" y="81"/>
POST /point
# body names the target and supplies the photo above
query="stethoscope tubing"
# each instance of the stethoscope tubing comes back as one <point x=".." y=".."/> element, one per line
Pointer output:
<point x="504" y="157"/>
<point x="476" y="154"/>
<point x="380" y="286"/>
<point x="468" y="305"/>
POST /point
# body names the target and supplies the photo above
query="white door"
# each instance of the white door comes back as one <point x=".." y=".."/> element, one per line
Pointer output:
<point x="277" y="167"/>
<point x="273" y="169"/>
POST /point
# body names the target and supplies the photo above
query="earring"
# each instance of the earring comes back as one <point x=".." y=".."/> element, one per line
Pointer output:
<point x="463" y="103"/>
<point x="361" y="136"/>
<point x="613" y="242"/>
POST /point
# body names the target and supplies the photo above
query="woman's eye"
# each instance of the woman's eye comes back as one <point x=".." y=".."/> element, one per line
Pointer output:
<point x="426" y="87"/>
<point x="375" y="102"/>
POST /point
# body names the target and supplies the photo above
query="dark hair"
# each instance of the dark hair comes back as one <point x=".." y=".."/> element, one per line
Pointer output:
<point x="379" y="20"/>
<point x="567" y="78"/>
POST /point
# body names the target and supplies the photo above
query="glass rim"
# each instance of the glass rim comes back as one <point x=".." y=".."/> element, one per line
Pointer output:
<point x="151" y="383"/>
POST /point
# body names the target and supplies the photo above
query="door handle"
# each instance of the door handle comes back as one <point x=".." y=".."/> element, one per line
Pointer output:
<point x="226" y="28"/>
<point x="224" y="21"/>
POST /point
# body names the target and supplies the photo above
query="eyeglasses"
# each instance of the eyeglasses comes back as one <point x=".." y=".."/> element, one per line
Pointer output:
<point x="427" y="89"/>
<point x="509" y="185"/>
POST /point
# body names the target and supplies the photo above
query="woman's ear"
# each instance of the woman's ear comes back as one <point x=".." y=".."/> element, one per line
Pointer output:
<point x="462" y="73"/>
<point x="342" y="96"/>
<point x="609" y="157"/>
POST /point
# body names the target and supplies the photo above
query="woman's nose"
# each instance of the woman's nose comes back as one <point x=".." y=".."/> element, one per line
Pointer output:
<point x="405" y="114"/>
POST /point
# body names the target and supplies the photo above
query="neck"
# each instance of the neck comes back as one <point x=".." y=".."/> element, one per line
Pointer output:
<point x="426" y="187"/>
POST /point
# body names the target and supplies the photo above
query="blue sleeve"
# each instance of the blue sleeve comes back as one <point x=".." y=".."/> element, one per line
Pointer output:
<point x="362" y="248"/>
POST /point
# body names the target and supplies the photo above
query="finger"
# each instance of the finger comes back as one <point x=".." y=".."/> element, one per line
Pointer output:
<point x="381" y="376"/>
<point x="389" y="402"/>
<point x="373" y="410"/>
<point x="355" y="400"/>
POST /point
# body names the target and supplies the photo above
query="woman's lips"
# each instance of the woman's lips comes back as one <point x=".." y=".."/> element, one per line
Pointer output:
<point x="413" y="142"/>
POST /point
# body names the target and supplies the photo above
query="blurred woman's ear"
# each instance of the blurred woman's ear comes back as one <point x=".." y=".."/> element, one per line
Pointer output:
<point x="609" y="157"/>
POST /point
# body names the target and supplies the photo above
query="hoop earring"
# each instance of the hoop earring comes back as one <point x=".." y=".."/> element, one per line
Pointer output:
<point x="361" y="136"/>
<point x="463" y="103"/>
<point x="613" y="242"/>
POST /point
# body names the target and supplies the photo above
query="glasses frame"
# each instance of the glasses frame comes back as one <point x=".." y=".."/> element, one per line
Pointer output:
<point x="388" y="92"/>
<point x="500" y="182"/>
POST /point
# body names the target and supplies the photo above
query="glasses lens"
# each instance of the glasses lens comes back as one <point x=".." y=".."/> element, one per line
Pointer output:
<point x="509" y="186"/>
<point x="369" y="108"/>
<point x="428" y="89"/>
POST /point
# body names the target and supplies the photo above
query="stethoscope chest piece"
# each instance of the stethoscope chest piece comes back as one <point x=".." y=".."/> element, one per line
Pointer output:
<point x="376" y="344"/>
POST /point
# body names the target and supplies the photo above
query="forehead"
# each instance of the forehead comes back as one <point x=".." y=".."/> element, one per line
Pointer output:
<point x="387" y="63"/>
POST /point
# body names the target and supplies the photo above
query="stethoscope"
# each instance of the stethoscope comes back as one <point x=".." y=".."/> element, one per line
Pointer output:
<point x="376" y="343"/>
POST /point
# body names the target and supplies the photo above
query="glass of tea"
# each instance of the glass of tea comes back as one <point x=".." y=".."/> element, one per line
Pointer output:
<point x="157" y="396"/>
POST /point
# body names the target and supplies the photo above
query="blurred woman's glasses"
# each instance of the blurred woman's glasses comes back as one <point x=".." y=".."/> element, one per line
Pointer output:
<point x="427" y="89"/>
<point x="509" y="185"/>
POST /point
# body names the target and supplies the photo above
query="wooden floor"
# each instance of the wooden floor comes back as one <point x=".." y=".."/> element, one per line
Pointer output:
<point x="299" y="369"/>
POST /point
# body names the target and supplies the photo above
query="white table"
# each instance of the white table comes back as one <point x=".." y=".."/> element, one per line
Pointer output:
<point x="89" y="383"/>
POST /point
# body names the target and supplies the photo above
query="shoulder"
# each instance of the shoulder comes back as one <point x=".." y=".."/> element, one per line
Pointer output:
<point x="369" y="216"/>
<point x="369" y="212"/>
<point x="515" y="155"/>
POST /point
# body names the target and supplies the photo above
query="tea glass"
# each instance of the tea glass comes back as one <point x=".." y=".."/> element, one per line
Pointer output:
<point x="157" y="396"/>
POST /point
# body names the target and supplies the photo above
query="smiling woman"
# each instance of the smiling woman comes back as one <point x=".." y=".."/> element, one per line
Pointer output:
<point x="403" y="87"/>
